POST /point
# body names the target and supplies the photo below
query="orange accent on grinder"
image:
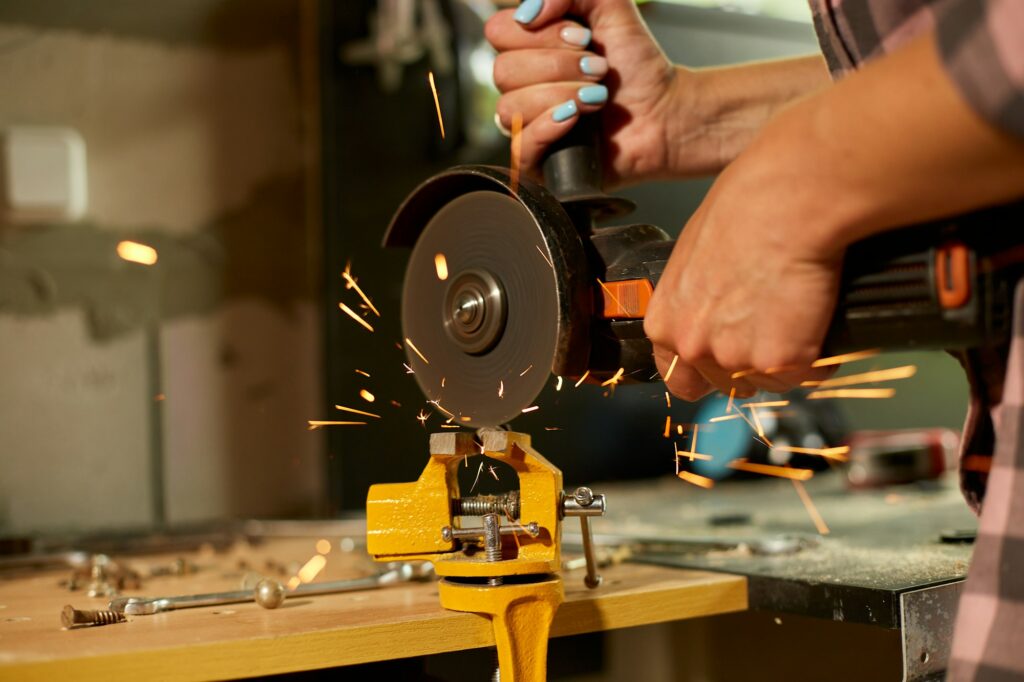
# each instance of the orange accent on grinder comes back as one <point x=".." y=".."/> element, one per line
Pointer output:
<point x="626" y="298"/>
<point x="952" y="274"/>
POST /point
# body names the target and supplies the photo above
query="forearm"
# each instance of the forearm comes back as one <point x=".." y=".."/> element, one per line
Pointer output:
<point x="892" y="145"/>
<point x="734" y="103"/>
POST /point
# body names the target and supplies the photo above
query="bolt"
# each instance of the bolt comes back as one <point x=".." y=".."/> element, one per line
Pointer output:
<point x="584" y="496"/>
<point x="492" y="537"/>
<point x="70" y="617"/>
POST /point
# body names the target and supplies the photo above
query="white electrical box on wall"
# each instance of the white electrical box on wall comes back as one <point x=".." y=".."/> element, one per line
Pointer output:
<point x="44" y="174"/>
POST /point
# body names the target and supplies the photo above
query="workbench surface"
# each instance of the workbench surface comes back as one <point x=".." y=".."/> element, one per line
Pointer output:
<point x="309" y="632"/>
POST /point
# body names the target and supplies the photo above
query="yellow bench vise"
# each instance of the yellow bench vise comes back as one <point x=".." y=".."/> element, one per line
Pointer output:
<point x="505" y="568"/>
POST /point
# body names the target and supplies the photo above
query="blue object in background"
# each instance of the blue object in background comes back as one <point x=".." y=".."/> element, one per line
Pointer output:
<point x="725" y="441"/>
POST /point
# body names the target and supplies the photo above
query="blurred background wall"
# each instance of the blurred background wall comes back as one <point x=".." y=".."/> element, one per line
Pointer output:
<point x="135" y="395"/>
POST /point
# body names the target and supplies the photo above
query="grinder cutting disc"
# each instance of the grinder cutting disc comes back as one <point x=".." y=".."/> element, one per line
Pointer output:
<point x="489" y="330"/>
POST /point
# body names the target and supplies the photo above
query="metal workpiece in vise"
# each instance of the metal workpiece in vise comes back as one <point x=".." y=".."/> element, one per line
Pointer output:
<point x="506" y="565"/>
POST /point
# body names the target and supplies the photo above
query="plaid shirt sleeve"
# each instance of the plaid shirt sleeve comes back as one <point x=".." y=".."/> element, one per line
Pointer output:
<point x="982" y="46"/>
<point x="987" y="642"/>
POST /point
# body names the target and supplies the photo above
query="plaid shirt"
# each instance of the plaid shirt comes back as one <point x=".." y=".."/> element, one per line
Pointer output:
<point x="981" y="44"/>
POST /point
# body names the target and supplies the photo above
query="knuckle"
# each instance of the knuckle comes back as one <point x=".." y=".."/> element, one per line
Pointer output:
<point x="492" y="29"/>
<point x="502" y="72"/>
<point x="692" y="352"/>
<point x="731" y="358"/>
<point x="504" y="109"/>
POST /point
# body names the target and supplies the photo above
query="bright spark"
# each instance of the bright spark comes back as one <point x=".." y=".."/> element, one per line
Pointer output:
<point x="848" y="357"/>
<point x="442" y="381"/>
<point x="679" y="429"/>
<point x="501" y="388"/>
<point x="523" y="373"/>
<point x="852" y="393"/>
<point x="609" y="292"/>
<point x="545" y="257"/>
<point x="359" y="371"/>
<point x="437" y="404"/>
<point x="558" y="384"/>
<point x="615" y="378"/>
<point x="671" y="368"/>
<point x="696" y="479"/>
<point x="725" y="418"/>
<point x="422" y="417"/>
<point x="771" y="470"/>
<point x="668" y="426"/>
<point x="732" y="397"/>
<point x="437" y="104"/>
<point x="355" y="411"/>
<point x="891" y="374"/>
<point x="477" y="479"/>
<point x="515" y="149"/>
<point x="351" y="313"/>
<point x="766" y="403"/>
<point x="350" y="283"/>
<point x="492" y="472"/>
<point x="532" y="408"/>
<point x="416" y="350"/>
<point x="312" y="568"/>
<point x="838" y="453"/>
<point x="135" y="252"/>
<point x="668" y="401"/>
<point x="408" y="369"/>
<point x="819" y="522"/>
<point x="757" y="423"/>
<point x="313" y="425"/>
<point x="753" y="426"/>
<point x="742" y="373"/>
<point x="441" y="266"/>
<point x="582" y="379"/>
<point x="366" y="395"/>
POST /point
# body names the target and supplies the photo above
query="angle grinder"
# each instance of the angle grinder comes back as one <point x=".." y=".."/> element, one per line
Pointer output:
<point x="532" y="285"/>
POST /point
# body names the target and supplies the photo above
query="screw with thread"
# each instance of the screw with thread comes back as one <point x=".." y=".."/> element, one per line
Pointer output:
<point x="70" y="617"/>
<point x="492" y="552"/>
<point x="482" y="505"/>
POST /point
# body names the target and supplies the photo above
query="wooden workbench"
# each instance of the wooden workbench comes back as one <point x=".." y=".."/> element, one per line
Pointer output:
<point x="307" y="633"/>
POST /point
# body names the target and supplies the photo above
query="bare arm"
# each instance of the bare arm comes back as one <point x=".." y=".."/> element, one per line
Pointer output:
<point x="733" y="103"/>
<point x="892" y="145"/>
<point x="753" y="279"/>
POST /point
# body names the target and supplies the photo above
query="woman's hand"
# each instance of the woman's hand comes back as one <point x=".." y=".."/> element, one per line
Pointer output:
<point x="551" y="69"/>
<point x="750" y="286"/>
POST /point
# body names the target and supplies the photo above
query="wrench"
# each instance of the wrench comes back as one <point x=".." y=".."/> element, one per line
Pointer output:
<point x="397" y="573"/>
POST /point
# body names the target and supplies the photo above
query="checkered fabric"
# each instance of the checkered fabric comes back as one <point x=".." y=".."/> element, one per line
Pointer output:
<point x="981" y="43"/>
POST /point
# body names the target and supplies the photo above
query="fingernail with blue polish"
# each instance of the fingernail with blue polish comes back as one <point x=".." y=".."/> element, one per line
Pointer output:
<point x="565" y="111"/>
<point x="528" y="11"/>
<point x="593" y="94"/>
<point x="575" y="35"/>
<point x="594" y="66"/>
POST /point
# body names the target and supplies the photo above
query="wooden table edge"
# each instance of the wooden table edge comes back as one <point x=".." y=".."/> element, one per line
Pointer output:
<point x="696" y="594"/>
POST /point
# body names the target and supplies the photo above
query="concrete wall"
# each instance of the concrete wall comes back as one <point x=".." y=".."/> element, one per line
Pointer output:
<point x="177" y="391"/>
